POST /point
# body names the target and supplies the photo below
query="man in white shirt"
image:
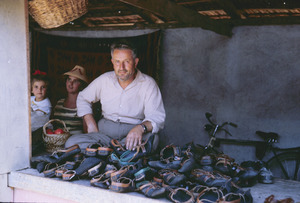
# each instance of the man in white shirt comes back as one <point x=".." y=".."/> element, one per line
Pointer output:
<point x="131" y="102"/>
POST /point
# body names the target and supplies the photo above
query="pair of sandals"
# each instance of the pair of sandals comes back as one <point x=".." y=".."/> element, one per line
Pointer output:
<point x="97" y="149"/>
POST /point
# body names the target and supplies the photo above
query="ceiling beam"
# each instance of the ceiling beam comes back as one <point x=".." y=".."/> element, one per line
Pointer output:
<point x="230" y="9"/>
<point x="171" y="10"/>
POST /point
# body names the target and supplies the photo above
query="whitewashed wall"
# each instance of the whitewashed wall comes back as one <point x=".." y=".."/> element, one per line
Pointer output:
<point x="14" y="95"/>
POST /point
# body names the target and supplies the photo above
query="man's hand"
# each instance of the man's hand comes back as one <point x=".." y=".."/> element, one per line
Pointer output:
<point x="90" y="123"/>
<point x="134" y="137"/>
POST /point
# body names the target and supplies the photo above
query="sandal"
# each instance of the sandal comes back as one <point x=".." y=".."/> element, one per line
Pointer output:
<point x="151" y="189"/>
<point x="87" y="164"/>
<point x="210" y="195"/>
<point x="211" y="179"/>
<point x="188" y="162"/>
<point x="60" y="171"/>
<point x="50" y="170"/>
<point x="123" y="184"/>
<point x="170" y="153"/>
<point x="59" y="156"/>
<point x="144" y="174"/>
<point x="141" y="150"/>
<point x="91" y="149"/>
<point x="181" y="195"/>
<point x="171" y="177"/>
<point x="224" y="164"/>
<point x="96" y="169"/>
<point x="100" y="181"/>
<point x="104" y="151"/>
<point x="68" y="175"/>
<point x="117" y="147"/>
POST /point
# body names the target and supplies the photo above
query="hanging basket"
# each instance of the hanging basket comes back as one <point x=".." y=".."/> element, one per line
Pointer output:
<point x="54" y="13"/>
<point x="54" y="142"/>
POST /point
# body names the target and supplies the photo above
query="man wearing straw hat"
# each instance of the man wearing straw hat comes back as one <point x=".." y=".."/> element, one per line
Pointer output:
<point x="132" y="106"/>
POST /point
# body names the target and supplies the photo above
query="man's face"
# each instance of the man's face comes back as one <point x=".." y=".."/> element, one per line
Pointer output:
<point x="124" y="64"/>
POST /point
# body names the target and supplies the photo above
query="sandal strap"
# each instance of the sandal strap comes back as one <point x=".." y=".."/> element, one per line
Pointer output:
<point x="95" y="170"/>
<point x="117" y="145"/>
<point x="104" y="151"/>
<point x="69" y="175"/>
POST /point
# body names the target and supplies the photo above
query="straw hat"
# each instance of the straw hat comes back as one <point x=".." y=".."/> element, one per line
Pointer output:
<point x="78" y="72"/>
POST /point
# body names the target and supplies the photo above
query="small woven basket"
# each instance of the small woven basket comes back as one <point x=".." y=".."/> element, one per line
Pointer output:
<point x="54" y="13"/>
<point x="54" y="142"/>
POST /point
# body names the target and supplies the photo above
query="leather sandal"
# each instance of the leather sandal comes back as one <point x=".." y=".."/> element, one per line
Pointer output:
<point x="232" y="198"/>
<point x="71" y="165"/>
<point x="59" y="156"/>
<point x="211" y="179"/>
<point x="188" y="162"/>
<point x="96" y="169"/>
<point x="92" y="149"/>
<point x="68" y="175"/>
<point x="87" y="164"/>
<point x="60" y="171"/>
<point x="144" y="174"/>
<point x="196" y="190"/>
<point x="101" y="181"/>
<point x="123" y="184"/>
<point x="166" y="164"/>
<point x="113" y="158"/>
<point x="141" y="150"/>
<point x="224" y="164"/>
<point x="150" y="189"/>
<point x="181" y="195"/>
<point x="50" y="170"/>
<point x="172" y="177"/>
<point x="117" y="147"/>
<point x="118" y="174"/>
<point x="170" y="153"/>
<point x="104" y="152"/>
<point x="211" y="194"/>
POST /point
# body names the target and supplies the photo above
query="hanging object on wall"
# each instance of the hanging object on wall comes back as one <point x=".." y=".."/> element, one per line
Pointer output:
<point x="54" y="13"/>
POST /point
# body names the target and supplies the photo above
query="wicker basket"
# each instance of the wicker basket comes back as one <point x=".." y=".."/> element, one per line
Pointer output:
<point x="54" y="13"/>
<point x="54" y="142"/>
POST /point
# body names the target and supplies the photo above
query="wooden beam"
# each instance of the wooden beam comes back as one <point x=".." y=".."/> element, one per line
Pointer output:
<point x="173" y="11"/>
<point x="230" y="9"/>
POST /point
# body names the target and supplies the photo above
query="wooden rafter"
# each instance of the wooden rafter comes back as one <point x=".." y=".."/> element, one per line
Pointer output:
<point x="171" y="10"/>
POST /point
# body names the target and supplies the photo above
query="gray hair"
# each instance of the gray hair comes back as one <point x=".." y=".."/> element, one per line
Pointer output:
<point x="123" y="45"/>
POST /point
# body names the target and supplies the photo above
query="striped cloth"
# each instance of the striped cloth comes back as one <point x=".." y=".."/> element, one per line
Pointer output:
<point x="69" y="116"/>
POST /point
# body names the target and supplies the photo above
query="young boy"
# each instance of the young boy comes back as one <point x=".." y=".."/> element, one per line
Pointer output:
<point x="39" y="100"/>
<point x="40" y="109"/>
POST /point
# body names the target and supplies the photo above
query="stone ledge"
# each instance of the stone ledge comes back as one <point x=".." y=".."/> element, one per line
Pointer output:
<point x="78" y="191"/>
<point x="81" y="191"/>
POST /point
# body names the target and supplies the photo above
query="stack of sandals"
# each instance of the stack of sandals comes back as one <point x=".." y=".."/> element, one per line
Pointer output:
<point x="182" y="174"/>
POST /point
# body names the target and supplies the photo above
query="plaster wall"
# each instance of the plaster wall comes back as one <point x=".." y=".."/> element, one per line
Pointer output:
<point x="14" y="99"/>
<point x="251" y="79"/>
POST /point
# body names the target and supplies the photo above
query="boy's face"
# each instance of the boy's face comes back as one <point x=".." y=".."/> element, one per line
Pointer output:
<point x="39" y="90"/>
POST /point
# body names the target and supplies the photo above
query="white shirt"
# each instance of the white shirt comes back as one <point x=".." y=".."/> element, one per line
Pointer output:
<point x="140" y="101"/>
<point x="44" y="105"/>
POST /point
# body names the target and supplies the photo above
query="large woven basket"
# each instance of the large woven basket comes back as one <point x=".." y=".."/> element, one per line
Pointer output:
<point x="54" y="13"/>
<point x="54" y="142"/>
